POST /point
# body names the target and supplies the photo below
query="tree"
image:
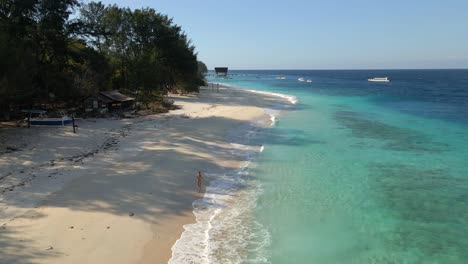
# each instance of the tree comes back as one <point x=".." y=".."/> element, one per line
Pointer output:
<point x="202" y="69"/>
<point x="52" y="38"/>
<point x="18" y="66"/>
<point x="147" y="51"/>
<point x="49" y="58"/>
<point x="91" y="24"/>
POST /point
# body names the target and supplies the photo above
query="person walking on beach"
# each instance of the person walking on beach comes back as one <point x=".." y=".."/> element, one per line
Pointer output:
<point x="199" y="181"/>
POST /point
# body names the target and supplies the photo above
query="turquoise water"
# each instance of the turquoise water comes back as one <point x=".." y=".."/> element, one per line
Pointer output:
<point x="362" y="173"/>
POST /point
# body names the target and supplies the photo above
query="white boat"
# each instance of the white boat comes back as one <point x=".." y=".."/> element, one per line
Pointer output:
<point x="379" y="79"/>
<point x="41" y="119"/>
<point x="50" y="121"/>
<point x="301" y="79"/>
<point x="309" y="81"/>
<point x="281" y="78"/>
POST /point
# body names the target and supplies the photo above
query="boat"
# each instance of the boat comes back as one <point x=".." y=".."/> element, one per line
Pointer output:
<point x="379" y="79"/>
<point x="301" y="79"/>
<point x="50" y="121"/>
<point x="281" y="78"/>
<point x="41" y="119"/>
<point x="309" y="81"/>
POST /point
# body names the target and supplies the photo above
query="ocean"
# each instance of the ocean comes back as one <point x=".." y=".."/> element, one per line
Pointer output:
<point x="351" y="172"/>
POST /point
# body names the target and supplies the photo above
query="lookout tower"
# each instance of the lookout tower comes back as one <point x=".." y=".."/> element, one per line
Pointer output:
<point x="221" y="71"/>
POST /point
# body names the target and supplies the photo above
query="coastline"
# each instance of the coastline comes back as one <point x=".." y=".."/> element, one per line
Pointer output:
<point x="231" y="191"/>
<point x="119" y="191"/>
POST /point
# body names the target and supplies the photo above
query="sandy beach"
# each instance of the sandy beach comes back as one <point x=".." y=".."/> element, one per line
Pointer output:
<point x="118" y="191"/>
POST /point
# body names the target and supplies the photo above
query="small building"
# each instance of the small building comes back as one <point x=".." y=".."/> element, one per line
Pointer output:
<point x="107" y="100"/>
<point x="221" y="71"/>
<point x="114" y="99"/>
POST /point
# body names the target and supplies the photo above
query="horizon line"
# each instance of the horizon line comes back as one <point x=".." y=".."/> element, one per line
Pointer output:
<point x="343" y="69"/>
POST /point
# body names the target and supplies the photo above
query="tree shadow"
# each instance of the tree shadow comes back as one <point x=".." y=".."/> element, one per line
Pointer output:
<point x="18" y="251"/>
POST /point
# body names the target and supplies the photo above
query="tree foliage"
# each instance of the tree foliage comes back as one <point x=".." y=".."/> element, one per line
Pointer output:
<point x="49" y="58"/>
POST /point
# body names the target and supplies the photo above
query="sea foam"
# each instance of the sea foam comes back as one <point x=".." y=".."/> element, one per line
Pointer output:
<point x="225" y="228"/>
<point x="290" y="98"/>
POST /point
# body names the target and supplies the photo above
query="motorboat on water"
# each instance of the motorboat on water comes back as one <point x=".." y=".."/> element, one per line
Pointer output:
<point x="309" y="81"/>
<point x="40" y="118"/>
<point x="379" y="79"/>
<point x="301" y="79"/>
<point x="281" y="78"/>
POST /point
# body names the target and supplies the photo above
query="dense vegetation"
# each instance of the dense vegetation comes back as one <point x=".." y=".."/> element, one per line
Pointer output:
<point x="59" y="51"/>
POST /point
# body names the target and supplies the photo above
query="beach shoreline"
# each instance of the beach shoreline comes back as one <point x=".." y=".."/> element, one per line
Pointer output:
<point x="231" y="191"/>
<point x="118" y="191"/>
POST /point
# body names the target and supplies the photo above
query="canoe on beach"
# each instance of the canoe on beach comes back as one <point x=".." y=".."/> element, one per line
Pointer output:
<point x="42" y="120"/>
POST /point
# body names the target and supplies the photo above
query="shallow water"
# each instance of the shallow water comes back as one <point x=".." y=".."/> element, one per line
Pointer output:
<point x="355" y="172"/>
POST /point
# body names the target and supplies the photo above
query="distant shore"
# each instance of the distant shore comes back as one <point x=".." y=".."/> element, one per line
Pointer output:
<point x="118" y="191"/>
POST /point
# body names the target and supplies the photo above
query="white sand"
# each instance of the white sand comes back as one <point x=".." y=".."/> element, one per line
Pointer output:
<point x="118" y="191"/>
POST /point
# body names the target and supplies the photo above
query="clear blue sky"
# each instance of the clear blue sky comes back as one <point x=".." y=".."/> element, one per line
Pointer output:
<point x="326" y="34"/>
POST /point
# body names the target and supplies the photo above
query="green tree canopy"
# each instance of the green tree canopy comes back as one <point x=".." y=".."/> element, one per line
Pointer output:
<point x="49" y="58"/>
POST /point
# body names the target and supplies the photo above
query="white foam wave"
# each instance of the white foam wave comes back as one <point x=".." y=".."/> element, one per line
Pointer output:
<point x="273" y="120"/>
<point x="225" y="227"/>
<point x="194" y="245"/>
<point x="273" y="113"/>
<point x="290" y="98"/>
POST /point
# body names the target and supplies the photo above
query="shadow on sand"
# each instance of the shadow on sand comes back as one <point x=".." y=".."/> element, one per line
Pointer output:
<point x="135" y="177"/>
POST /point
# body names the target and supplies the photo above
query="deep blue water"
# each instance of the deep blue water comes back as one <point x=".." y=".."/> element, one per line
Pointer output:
<point x="439" y="94"/>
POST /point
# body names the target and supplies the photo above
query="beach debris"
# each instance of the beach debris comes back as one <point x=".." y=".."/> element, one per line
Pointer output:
<point x="129" y="116"/>
<point x="4" y="176"/>
<point x="49" y="248"/>
<point x="71" y="227"/>
<point x="184" y="116"/>
<point x="131" y="214"/>
<point x="11" y="149"/>
<point x="108" y="227"/>
<point x="89" y="154"/>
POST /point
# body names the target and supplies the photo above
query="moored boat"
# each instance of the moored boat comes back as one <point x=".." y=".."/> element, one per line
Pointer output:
<point x="379" y="79"/>
<point x="41" y="119"/>
<point x="48" y="121"/>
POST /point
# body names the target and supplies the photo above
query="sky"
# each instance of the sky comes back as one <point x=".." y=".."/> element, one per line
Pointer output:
<point x="326" y="34"/>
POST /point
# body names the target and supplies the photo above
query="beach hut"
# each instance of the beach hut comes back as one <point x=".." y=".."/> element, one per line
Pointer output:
<point x="115" y="100"/>
<point x="107" y="100"/>
<point x="221" y="71"/>
<point x="92" y="103"/>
